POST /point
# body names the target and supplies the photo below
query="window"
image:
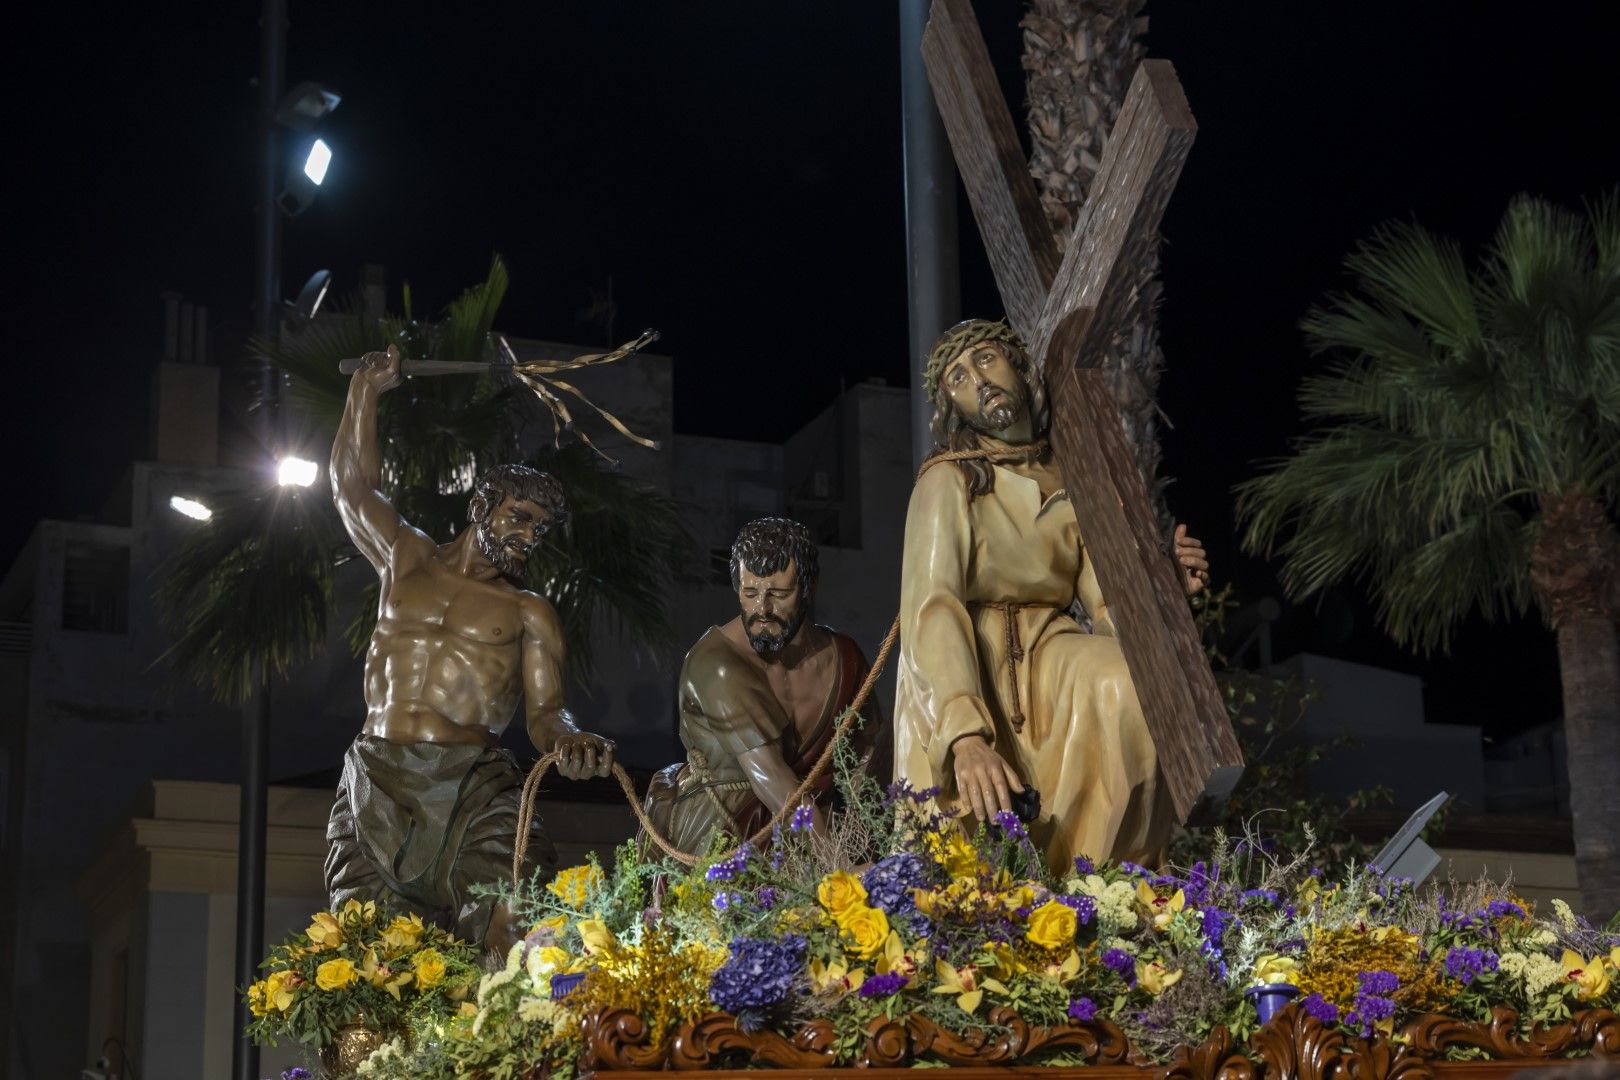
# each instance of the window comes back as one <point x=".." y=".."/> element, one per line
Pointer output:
<point x="95" y="588"/>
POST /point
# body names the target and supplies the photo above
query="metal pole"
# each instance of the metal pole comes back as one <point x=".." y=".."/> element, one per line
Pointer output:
<point x="250" y="844"/>
<point x="933" y="288"/>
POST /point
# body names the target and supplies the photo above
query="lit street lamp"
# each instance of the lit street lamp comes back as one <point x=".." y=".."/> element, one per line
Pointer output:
<point x="191" y="508"/>
<point x="296" y="472"/>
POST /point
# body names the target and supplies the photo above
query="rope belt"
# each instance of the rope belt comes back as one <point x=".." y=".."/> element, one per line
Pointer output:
<point x="1015" y="648"/>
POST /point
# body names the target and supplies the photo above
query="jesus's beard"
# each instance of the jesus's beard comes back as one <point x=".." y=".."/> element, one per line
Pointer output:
<point x="765" y="642"/>
<point x="1006" y="411"/>
<point x="509" y="559"/>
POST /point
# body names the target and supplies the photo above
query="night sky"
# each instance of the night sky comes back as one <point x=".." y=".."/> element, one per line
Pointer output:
<point x="735" y="168"/>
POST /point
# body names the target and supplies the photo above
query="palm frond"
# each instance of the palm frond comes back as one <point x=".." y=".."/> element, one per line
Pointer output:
<point x="250" y="588"/>
<point x="1449" y="402"/>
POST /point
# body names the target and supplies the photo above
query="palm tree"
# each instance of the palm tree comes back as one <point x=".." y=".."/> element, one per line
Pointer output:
<point x="273" y="554"/>
<point x="1469" y="460"/>
<point x="1080" y="56"/>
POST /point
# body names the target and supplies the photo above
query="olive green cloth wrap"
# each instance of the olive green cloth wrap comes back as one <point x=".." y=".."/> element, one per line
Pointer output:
<point x="416" y="825"/>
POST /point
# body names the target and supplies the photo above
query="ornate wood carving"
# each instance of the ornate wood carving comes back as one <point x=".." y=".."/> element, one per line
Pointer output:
<point x="1294" y="1046"/>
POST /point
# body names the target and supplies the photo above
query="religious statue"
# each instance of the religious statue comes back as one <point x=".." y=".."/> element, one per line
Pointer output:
<point x="759" y="699"/>
<point x="427" y="805"/>
<point x="999" y="684"/>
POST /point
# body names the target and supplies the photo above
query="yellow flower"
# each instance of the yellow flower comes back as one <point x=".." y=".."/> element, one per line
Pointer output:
<point x="841" y="893"/>
<point x="1052" y="925"/>
<point x="595" y="935"/>
<point x="429" y="965"/>
<point x="894" y="958"/>
<point x="280" y="989"/>
<point x="1155" y="978"/>
<point x="404" y="932"/>
<point x="554" y="925"/>
<point x="356" y="912"/>
<point x="1067" y="969"/>
<point x="955" y="854"/>
<point x="380" y="974"/>
<point x="1409" y="942"/>
<point x="1271" y="969"/>
<point x="575" y="885"/>
<point x="467" y="1010"/>
<point x="335" y="974"/>
<point x="255" y="998"/>
<point x="965" y="983"/>
<point x="867" y="929"/>
<point x="325" y="932"/>
<point x="1590" y="978"/>
<point x="835" y="976"/>
<point x="1161" y="909"/>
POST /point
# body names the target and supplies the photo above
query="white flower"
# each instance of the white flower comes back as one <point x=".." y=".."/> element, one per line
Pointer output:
<point x="1543" y="937"/>
<point x="1566" y="917"/>
<point x="1116" y="903"/>
<point x="490" y="983"/>
<point x="1538" y="972"/>
<point x="533" y="1010"/>
<point x="514" y="957"/>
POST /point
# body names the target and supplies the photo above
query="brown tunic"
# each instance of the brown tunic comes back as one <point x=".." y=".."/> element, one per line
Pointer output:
<point x="727" y="708"/>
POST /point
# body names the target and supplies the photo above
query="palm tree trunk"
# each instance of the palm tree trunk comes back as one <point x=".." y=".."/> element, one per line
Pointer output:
<point x="1589" y="663"/>
<point x="1574" y="566"/>
<point x="1079" y="56"/>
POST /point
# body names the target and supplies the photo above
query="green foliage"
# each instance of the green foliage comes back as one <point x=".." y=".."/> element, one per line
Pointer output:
<point x="1276" y="793"/>
<point x="1452" y="400"/>
<point x="272" y="554"/>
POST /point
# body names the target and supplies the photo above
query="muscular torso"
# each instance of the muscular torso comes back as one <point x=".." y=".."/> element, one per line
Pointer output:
<point x="445" y="662"/>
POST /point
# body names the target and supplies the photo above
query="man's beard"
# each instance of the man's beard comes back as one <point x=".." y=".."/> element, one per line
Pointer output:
<point x="765" y="642"/>
<point x="509" y="559"/>
<point x="1007" y="410"/>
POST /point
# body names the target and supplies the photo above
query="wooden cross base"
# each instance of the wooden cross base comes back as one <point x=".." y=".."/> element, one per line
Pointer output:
<point x="1293" y="1046"/>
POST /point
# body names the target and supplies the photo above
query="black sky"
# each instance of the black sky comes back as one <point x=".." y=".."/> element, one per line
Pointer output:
<point x="735" y="168"/>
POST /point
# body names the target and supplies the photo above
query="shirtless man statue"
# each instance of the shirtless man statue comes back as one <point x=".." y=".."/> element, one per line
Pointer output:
<point x="428" y="803"/>
<point x="759" y="698"/>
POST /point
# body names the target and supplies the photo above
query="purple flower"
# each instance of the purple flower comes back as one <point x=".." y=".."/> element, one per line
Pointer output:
<point x="890" y="882"/>
<point x="883" y="985"/>
<point x="802" y="818"/>
<point x="1008" y="822"/>
<point x="1082" y="1009"/>
<point x="1216" y="923"/>
<point x="1085" y="908"/>
<point x="765" y="898"/>
<point x="1498" y="909"/>
<point x="1200" y="883"/>
<point x="1268" y="895"/>
<point x="1321" y="1008"/>
<point x="902" y="789"/>
<point x="297" y="1072"/>
<point x="757" y="974"/>
<point x="1466" y="965"/>
<point x="918" y="923"/>
<point x="1136" y="869"/>
<point x="722" y="900"/>
<point x="1120" y="963"/>
<point x="1381" y="983"/>
<point x="1083" y="865"/>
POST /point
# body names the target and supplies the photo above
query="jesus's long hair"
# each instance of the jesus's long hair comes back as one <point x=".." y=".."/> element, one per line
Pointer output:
<point x="951" y="430"/>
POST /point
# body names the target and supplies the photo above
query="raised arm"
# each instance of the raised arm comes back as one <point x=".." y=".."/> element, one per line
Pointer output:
<point x="373" y="524"/>
<point x="549" y="724"/>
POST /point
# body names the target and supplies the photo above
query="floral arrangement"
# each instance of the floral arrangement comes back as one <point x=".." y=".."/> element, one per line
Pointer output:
<point x="951" y="925"/>
<point x="359" y="963"/>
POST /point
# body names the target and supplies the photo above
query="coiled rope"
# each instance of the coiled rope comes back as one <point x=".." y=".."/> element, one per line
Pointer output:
<point x="531" y="785"/>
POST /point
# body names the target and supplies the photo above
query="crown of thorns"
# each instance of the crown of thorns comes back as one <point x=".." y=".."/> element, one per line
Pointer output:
<point x="965" y="335"/>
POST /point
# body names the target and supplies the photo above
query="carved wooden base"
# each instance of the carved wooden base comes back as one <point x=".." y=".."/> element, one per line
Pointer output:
<point x="1294" y="1046"/>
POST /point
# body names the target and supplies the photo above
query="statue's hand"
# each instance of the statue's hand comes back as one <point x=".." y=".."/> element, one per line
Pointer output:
<point x="380" y="369"/>
<point x="1193" y="561"/>
<point x="984" y="780"/>
<point x="583" y="755"/>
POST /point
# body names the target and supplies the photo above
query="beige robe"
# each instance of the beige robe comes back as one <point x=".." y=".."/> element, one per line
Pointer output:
<point x="1084" y="743"/>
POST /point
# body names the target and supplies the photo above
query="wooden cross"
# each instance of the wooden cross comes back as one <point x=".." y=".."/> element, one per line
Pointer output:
<point x="1067" y="310"/>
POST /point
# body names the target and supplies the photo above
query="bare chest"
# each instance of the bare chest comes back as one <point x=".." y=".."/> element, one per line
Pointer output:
<point x="432" y="596"/>
<point x="805" y="691"/>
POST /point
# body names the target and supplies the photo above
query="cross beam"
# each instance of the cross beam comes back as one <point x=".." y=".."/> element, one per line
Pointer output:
<point x="1070" y="316"/>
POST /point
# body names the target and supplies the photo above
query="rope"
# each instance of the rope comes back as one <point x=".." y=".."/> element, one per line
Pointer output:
<point x="531" y="784"/>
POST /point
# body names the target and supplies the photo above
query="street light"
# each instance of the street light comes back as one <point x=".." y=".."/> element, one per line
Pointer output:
<point x="193" y="509"/>
<point x="296" y="472"/>
<point x="300" y="111"/>
<point x="320" y="156"/>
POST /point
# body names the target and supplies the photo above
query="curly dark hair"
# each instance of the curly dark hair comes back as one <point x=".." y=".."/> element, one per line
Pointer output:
<point x="951" y="430"/>
<point x="518" y="482"/>
<point x="766" y="545"/>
